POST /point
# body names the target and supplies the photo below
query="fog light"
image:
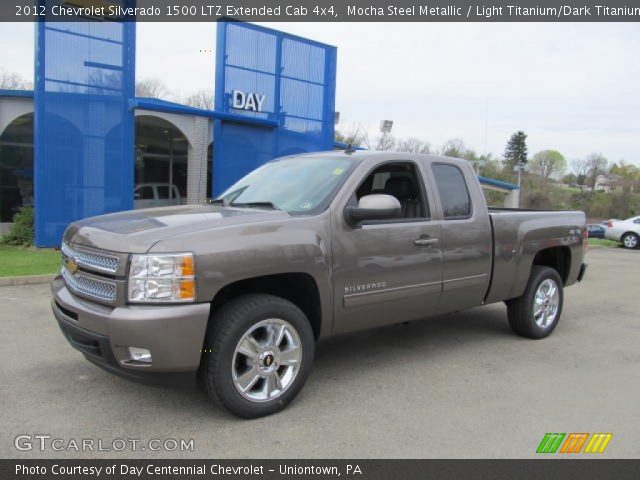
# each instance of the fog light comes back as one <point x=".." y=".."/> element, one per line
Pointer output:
<point x="140" y="354"/>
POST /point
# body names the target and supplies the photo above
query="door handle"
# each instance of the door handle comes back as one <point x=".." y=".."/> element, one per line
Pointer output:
<point x="422" y="241"/>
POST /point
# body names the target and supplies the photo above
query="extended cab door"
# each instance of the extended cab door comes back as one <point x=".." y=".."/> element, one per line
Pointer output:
<point x="386" y="271"/>
<point x="466" y="237"/>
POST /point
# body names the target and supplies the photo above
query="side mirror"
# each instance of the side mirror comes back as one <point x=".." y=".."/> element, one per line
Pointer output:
<point x="136" y="196"/>
<point x="373" y="207"/>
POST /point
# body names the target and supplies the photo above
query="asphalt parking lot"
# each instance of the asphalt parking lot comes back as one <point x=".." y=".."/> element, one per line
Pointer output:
<point x="461" y="385"/>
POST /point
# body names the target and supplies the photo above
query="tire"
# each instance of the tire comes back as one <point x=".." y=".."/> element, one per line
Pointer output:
<point x="630" y="240"/>
<point x="520" y="310"/>
<point x="257" y="376"/>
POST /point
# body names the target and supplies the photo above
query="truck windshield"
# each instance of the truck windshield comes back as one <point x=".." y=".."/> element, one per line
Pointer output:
<point x="296" y="185"/>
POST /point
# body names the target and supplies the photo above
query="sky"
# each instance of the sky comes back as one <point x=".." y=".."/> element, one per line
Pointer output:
<point x="571" y="87"/>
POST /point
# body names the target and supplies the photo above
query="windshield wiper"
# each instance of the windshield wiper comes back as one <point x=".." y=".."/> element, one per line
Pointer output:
<point x="220" y="201"/>
<point x="254" y="205"/>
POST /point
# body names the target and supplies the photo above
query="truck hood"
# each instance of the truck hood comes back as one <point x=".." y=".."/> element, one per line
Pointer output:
<point x="136" y="231"/>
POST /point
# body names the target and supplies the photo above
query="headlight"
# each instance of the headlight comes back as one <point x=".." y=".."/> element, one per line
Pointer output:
<point x="162" y="278"/>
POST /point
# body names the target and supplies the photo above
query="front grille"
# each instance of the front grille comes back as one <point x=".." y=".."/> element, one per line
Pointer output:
<point x="90" y="287"/>
<point x="97" y="261"/>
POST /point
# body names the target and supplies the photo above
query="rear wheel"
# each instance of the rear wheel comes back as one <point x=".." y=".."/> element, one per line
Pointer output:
<point x="630" y="240"/>
<point x="258" y="354"/>
<point x="536" y="313"/>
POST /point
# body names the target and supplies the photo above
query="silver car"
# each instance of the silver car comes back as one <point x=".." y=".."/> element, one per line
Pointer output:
<point x="625" y="231"/>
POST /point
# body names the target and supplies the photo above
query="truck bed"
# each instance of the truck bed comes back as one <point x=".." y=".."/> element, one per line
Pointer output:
<point x="518" y="234"/>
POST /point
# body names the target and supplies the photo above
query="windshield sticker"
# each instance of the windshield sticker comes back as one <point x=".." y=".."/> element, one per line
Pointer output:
<point x="338" y="171"/>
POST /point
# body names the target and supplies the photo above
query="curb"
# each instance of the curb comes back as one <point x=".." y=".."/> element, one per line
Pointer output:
<point x="26" y="280"/>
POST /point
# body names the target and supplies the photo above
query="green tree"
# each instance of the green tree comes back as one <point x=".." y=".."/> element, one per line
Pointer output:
<point x="454" y="148"/>
<point x="597" y="164"/>
<point x="21" y="231"/>
<point x="547" y="163"/>
<point x="353" y="134"/>
<point x="581" y="168"/>
<point x="515" y="153"/>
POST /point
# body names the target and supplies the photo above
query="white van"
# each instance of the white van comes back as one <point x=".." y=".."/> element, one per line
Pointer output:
<point x="148" y="195"/>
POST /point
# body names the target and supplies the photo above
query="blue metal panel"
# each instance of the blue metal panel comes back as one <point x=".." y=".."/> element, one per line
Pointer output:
<point x="297" y="77"/>
<point x="84" y="129"/>
<point x="498" y="183"/>
<point x="16" y="93"/>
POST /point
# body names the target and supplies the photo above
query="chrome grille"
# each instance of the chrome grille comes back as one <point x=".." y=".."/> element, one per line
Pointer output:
<point x="97" y="261"/>
<point x="99" y="289"/>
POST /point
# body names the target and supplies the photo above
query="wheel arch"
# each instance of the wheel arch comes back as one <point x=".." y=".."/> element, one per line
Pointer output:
<point x="558" y="258"/>
<point x="627" y="233"/>
<point x="299" y="288"/>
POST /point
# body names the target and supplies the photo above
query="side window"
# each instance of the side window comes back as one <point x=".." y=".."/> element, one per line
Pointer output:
<point x="453" y="191"/>
<point x="399" y="180"/>
<point x="146" y="193"/>
<point x="379" y="181"/>
<point x="163" y="191"/>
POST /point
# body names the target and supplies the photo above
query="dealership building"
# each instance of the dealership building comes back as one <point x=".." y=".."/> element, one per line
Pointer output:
<point x="82" y="144"/>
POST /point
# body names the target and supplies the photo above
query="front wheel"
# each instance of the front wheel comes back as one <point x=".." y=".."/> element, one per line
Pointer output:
<point x="257" y="355"/>
<point x="630" y="240"/>
<point x="537" y="311"/>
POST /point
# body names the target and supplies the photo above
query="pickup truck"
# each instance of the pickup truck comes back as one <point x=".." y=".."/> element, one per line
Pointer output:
<point x="234" y="295"/>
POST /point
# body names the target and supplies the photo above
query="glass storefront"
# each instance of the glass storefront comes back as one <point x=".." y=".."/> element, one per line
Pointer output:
<point x="161" y="161"/>
<point x="16" y="167"/>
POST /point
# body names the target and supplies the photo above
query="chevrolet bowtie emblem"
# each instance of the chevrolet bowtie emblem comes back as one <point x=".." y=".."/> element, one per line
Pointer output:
<point x="72" y="266"/>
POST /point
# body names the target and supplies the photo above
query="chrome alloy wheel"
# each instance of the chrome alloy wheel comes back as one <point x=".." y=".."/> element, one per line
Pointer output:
<point x="266" y="360"/>
<point x="547" y="301"/>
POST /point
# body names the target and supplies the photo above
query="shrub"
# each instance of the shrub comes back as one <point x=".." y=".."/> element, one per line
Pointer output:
<point x="21" y="232"/>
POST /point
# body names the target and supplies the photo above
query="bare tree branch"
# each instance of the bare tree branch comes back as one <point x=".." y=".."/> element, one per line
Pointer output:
<point x="201" y="99"/>
<point x="413" y="145"/>
<point x="152" y="88"/>
<point x="353" y="134"/>
<point x="13" y="81"/>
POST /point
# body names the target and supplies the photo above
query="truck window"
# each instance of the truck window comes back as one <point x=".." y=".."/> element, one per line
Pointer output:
<point x="145" y="193"/>
<point x="163" y="191"/>
<point x="303" y="185"/>
<point x="453" y="191"/>
<point x="399" y="180"/>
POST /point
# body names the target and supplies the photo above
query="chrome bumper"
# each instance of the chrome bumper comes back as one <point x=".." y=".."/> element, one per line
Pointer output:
<point x="173" y="333"/>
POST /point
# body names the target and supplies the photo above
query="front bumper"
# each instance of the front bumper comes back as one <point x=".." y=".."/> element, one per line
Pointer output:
<point x="173" y="333"/>
<point x="583" y="270"/>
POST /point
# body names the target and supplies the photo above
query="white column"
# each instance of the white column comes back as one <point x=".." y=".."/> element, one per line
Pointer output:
<point x="512" y="199"/>
<point x="197" y="161"/>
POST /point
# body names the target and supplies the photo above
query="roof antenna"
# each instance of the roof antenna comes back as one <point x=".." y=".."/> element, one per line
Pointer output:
<point x="349" y="150"/>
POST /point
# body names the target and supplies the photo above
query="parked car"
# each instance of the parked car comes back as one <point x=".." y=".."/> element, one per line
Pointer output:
<point x="595" y="230"/>
<point x="626" y="232"/>
<point x="606" y="223"/>
<point x="238" y="292"/>
<point x="149" y="195"/>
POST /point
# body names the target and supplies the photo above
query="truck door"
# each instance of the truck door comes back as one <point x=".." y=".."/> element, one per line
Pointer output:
<point x="466" y="236"/>
<point x="387" y="271"/>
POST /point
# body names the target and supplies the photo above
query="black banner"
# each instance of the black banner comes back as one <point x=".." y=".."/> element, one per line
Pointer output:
<point x="293" y="469"/>
<point x="323" y="10"/>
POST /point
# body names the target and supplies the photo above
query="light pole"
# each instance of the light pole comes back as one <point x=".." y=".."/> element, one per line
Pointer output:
<point x="385" y="129"/>
<point x="519" y="168"/>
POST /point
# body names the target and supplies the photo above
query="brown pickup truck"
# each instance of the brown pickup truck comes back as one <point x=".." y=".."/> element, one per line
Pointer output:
<point x="236" y="293"/>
